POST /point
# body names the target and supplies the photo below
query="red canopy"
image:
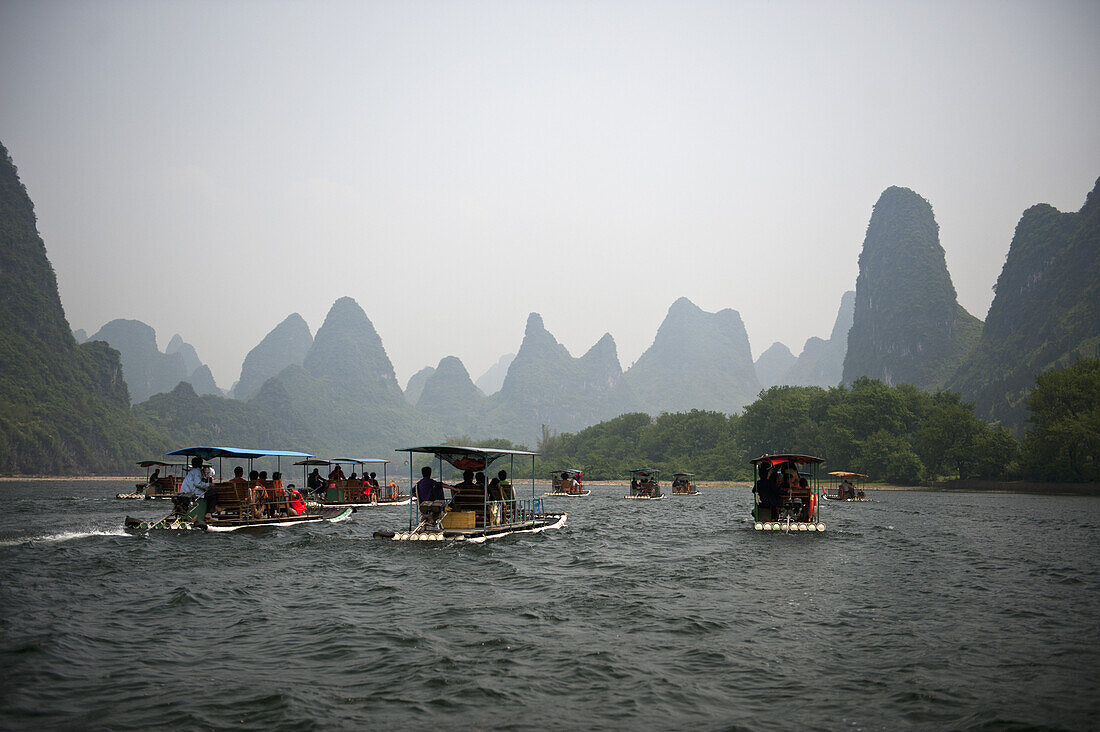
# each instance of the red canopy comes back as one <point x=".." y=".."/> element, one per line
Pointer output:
<point x="777" y="459"/>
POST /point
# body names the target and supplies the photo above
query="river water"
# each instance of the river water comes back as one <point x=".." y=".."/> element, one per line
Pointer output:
<point x="916" y="610"/>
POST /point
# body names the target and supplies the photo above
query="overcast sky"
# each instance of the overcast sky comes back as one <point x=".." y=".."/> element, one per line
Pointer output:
<point x="211" y="167"/>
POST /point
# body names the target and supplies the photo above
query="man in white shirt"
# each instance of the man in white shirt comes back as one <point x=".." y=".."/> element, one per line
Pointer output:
<point x="194" y="485"/>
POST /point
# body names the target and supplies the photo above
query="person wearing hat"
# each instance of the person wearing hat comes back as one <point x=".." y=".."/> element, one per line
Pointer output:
<point x="195" y="486"/>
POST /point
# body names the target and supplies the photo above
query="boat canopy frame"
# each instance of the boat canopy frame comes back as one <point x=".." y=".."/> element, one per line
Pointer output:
<point x="208" y="452"/>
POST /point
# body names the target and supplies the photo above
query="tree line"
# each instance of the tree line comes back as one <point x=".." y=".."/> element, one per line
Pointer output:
<point x="894" y="434"/>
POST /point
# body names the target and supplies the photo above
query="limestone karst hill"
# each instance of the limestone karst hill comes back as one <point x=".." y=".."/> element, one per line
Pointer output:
<point x="908" y="327"/>
<point x="64" y="407"/>
<point x="698" y="360"/>
<point x="1046" y="311"/>
<point x="286" y="345"/>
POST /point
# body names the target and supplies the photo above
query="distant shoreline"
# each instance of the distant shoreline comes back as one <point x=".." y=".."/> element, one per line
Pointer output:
<point x="954" y="486"/>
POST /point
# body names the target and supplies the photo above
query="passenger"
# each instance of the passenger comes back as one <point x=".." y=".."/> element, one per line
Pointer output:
<point x="467" y="495"/>
<point x="154" y="477"/>
<point x="353" y="477"/>
<point x="263" y="476"/>
<point x="337" y="473"/>
<point x="253" y="475"/>
<point x="428" y="488"/>
<point x="494" y="490"/>
<point x="195" y="487"/>
<point x="506" y="492"/>
<point x="297" y="503"/>
<point x="635" y="489"/>
<point x="768" y="491"/>
<point x="315" y="483"/>
<point x="238" y="475"/>
<point x="807" y="500"/>
<point x="373" y="488"/>
<point x="567" y="484"/>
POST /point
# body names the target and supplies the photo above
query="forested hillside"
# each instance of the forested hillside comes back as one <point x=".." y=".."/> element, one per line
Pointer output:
<point x="1046" y="311"/>
<point x="64" y="407"/>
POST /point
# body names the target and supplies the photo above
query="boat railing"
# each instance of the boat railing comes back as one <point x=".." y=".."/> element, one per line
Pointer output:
<point x="516" y="511"/>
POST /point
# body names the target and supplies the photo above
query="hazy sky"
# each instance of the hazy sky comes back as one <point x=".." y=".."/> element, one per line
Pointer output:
<point x="211" y="167"/>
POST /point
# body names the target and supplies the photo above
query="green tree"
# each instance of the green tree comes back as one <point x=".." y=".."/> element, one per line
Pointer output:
<point x="889" y="456"/>
<point x="1064" y="441"/>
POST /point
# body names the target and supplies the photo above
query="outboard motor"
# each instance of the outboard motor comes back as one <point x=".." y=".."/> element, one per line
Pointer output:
<point x="431" y="513"/>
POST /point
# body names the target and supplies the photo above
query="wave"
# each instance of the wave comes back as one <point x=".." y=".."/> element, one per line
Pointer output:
<point x="61" y="536"/>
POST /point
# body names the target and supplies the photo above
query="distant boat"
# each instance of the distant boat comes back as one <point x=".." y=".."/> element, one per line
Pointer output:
<point x="353" y="493"/>
<point x="842" y="488"/>
<point x="682" y="485"/>
<point x="475" y="513"/>
<point x="567" y="483"/>
<point x="240" y="503"/>
<point x="645" y="485"/>
<point x="165" y="486"/>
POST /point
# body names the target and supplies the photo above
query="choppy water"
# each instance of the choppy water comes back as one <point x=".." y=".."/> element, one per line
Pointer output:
<point x="919" y="610"/>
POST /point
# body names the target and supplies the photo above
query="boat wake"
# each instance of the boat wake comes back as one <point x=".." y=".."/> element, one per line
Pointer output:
<point x="59" y="537"/>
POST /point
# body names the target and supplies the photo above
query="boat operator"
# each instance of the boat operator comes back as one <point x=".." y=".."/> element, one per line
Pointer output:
<point x="315" y="483"/>
<point x="768" y="489"/>
<point x="430" y="496"/>
<point x="194" y="487"/>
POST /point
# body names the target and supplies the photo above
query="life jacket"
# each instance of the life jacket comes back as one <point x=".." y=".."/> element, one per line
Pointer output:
<point x="297" y="503"/>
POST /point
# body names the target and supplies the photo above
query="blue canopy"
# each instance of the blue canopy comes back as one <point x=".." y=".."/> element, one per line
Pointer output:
<point x="208" y="453"/>
<point x="466" y="458"/>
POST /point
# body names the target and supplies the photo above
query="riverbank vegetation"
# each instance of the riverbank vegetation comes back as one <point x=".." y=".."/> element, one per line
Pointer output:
<point x="893" y="433"/>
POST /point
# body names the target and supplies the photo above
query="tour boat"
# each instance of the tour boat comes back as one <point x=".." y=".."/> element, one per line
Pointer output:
<point x="645" y="485"/>
<point x="163" y="486"/>
<point x="839" y="492"/>
<point x="798" y="508"/>
<point x="682" y="485"/>
<point x="241" y="503"/>
<point x="473" y="514"/>
<point x="352" y="493"/>
<point x="573" y="490"/>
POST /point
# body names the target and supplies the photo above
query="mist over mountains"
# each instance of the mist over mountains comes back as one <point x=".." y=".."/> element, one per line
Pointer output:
<point x="66" y="406"/>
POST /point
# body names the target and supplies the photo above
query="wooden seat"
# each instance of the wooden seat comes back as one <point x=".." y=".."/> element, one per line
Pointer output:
<point x="234" y="500"/>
